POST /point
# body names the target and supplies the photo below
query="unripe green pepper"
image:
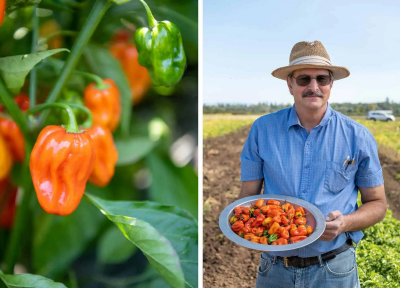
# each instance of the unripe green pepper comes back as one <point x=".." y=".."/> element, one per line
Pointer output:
<point x="161" y="50"/>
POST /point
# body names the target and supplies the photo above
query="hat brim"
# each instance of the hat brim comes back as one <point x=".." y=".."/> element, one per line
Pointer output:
<point x="337" y="71"/>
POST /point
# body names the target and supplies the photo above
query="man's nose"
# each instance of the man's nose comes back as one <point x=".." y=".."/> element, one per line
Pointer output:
<point x="313" y="86"/>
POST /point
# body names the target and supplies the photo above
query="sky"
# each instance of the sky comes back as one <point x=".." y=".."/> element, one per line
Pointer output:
<point x="244" y="41"/>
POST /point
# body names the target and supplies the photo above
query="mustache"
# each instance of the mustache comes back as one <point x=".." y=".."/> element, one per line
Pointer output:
<point x="311" y="93"/>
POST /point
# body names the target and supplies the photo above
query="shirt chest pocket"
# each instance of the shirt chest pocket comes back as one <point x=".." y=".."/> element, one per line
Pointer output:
<point x="337" y="178"/>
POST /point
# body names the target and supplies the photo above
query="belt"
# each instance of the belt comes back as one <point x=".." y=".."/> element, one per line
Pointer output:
<point x="298" y="262"/>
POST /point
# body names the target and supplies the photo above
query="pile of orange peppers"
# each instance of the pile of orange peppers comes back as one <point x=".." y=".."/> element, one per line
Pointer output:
<point x="272" y="223"/>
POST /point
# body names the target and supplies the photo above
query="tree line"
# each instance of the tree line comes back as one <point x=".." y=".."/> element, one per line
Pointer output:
<point x="350" y="109"/>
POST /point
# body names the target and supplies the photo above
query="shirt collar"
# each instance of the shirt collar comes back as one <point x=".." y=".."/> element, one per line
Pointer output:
<point x="294" y="119"/>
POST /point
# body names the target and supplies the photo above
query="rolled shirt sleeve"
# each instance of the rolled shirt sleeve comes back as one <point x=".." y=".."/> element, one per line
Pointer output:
<point x="251" y="162"/>
<point x="369" y="173"/>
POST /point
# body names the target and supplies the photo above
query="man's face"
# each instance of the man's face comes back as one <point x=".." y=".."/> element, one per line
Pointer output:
<point x="313" y="96"/>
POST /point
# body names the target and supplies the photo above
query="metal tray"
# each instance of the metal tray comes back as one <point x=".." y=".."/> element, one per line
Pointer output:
<point x="314" y="217"/>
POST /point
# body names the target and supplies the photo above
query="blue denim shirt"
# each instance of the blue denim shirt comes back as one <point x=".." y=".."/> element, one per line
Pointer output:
<point x="309" y="166"/>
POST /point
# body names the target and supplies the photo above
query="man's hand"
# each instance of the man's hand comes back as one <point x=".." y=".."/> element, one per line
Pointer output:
<point x="334" y="226"/>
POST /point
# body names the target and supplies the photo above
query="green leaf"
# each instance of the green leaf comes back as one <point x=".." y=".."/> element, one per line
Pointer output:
<point x="133" y="149"/>
<point x="173" y="185"/>
<point x="155" y="246"/>
<point x="58" y="241"/>
<point x="102" y="63"/>
<point x="28" y="281"/>
<point x="13" y="69"/>
<point x="113" y="247"/>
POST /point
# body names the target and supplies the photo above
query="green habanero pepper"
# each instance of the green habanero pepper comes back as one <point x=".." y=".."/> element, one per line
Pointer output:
<point x="161" y="50"/>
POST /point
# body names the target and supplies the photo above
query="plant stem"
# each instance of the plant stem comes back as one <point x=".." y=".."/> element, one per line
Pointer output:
<point x="89" y="121"/>
<point x="32" y="76"/>
<point x="71" y="127"/>
<point x="100" y="85"/>
<point x="152" y="21"/>
<point x="99" y="9"/>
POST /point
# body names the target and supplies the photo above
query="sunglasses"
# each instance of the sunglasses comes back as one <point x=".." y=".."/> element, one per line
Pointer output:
<point x="304" y="80"/>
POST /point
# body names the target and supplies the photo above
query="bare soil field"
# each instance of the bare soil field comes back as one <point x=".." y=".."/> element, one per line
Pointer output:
<point x="225" y="263"/>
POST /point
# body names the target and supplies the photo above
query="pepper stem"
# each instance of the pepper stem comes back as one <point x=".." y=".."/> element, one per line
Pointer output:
<point x="89" y="121"/>
<point x="152" y="21"/>
<point x="100" y="85"/>
<point x="72" y="126"/>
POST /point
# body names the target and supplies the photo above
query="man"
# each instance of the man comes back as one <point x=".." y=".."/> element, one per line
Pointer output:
<point x="314" y="153"/>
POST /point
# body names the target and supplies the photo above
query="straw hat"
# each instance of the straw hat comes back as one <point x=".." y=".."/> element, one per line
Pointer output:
<point x="310" y="55"/>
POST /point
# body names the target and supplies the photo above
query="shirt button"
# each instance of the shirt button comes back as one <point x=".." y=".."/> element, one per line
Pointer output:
<point x="308" y="143"/>
<point x="307" y="166"/>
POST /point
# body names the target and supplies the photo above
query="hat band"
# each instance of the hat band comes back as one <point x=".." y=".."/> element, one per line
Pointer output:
<point x="311" y="60"/>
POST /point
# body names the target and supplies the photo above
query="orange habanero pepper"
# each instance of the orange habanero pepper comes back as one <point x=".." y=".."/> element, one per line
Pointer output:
<point x="274" y="202"/>
<point x="2" y="10"/>
<point x="273" y="228"/>
<point x="103" y="100"/>
<point x="61" y="163"/>
<point x="106" y="155"/>
<point x="5" y="158"/>
<point x="280" y="241"/>
<point x="237" y="226"/>
<point x="297" y="239"/>
<point x="264" y="240"/>
<point x="137" y="75"/>
<point x="301" y="221"/>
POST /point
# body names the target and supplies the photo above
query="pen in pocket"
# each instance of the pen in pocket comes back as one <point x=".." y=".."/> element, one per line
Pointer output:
<point x="350" y="163"/>
<point x="345" y="161"/>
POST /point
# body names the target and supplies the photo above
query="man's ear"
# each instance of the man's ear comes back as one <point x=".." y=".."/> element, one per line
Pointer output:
<point x="289" y="83"/>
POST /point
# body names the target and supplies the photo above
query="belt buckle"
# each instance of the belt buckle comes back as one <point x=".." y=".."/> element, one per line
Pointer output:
<point x="285" y="261"/>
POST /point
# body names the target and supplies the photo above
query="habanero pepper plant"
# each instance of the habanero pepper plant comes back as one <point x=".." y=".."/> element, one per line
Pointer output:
<point x="95" y="111"/>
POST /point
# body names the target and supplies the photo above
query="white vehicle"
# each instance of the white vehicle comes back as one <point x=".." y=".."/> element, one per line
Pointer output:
<point x="384" y="115"/>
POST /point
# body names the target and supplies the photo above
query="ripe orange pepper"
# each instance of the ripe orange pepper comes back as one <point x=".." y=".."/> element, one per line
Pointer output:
<point x="274" y="202"/>
<point x="255" y="239"/>
<point x="246" y="210"/>
<point x="237" y="226"/>
<point x="309" y="230"/>
<point x="300" y="209"/>
<point x="104" y="103"/>
<point x="301" y="221"/>
<point x="259" y="203"/>
<point x="11" y="132"/>
<point x="137" y="75"/>
<point x="60" y="165"/>
<point x="297" y="239"/>
<point x="5" y="159"/>
<point x="106" y="155"/>
<point x="301" y="231"/>
<point x="8" y="197"/>
<point x="280" y="241"/>
<point x="241" y="233"/>
<point x="256" y="212"/>
<point x="282" y="232"/>
<point x="13" y="137"/>
<point x="258" y="231"/>
<point x="273" y="228"/>
<point x="267" y="221"/>
<point x="284" y="220"/>
<point x="2" y="10"/>
<point x="264" y="240"/>
<point x="244" y="217"/>
<point x="238" y="211"/>
<point x="260" y="218"/>
<point x="264" y="209"/>
<point x="249" y="236"/>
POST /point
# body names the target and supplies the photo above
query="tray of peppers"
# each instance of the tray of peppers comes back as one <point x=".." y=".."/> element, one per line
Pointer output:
<point x="271" y="222"/>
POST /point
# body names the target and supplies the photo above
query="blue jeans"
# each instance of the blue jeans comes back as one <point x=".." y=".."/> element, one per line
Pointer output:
<point x="339" y="272"/>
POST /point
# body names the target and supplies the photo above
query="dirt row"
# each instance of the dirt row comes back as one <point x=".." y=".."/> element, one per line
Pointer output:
<point x="226" y="264"/>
